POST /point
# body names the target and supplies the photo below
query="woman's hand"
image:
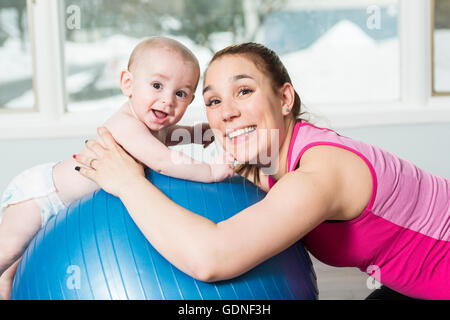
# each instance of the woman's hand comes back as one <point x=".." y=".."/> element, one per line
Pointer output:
<point x="108" y="165"/>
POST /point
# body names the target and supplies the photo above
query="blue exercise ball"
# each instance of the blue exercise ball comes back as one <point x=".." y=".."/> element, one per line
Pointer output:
<point x="94" y="250"/>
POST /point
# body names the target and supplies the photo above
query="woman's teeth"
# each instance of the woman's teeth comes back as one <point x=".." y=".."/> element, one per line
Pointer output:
<point x="239" y="132"/>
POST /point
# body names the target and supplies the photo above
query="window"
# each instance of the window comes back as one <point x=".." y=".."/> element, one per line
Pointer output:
<point x="98" y="49"/>
<point x="353" y="62"/>
<point x="336" y="51"/>
<point x="441" y="47"/>
<point x="16" y="77"/>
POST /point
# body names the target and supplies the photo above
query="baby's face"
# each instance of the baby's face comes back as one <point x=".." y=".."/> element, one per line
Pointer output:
<point x="163" y="85"/>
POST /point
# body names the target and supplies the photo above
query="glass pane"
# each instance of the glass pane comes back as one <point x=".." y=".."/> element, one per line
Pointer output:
<point x="337" y="51"/>
<point x="442" y="46"/>
<point x="16" y="85"/>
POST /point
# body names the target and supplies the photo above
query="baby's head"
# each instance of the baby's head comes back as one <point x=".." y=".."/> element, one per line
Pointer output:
<point x="161" y="80"/>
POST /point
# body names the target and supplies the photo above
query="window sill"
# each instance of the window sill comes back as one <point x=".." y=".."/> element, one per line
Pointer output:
<point x="36" y="126"/>
<point x="436" y="111"/>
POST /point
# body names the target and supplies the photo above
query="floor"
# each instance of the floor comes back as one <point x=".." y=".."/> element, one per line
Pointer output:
<point x="340" y="283"/>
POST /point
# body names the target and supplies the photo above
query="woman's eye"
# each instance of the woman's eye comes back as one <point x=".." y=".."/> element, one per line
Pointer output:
<point x="245" y="91"/>
<point x="181" y="94"/>
<point x="212" y="102"/>
<point x="157" y="85"/>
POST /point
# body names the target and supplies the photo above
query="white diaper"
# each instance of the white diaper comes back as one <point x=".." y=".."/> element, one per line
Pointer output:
<point x="34" y="183"/>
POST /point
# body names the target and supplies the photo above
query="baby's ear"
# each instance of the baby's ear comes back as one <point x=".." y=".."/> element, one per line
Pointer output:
<point x="125" y="83"/>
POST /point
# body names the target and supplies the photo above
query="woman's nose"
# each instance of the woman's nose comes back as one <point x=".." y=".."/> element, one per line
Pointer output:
<point x="229" y="112"/>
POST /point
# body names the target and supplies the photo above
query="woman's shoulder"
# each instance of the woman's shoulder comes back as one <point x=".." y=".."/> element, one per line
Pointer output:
<point x="307" y="190"/>
<point x="349" y="174"/>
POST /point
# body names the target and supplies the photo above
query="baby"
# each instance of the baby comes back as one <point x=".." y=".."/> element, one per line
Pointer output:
<point x="160" y="82"/>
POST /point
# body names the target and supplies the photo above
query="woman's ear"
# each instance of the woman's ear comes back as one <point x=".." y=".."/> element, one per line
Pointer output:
<point x="125" y="83"/>
<point x="287" y="98"/>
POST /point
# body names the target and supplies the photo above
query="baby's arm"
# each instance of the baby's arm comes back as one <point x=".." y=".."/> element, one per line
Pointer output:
<point x="139" y="142"/>
<point x="178" y="135"/>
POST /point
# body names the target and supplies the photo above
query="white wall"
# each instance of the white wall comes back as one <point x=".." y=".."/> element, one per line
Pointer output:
<point x="425" y="145"/>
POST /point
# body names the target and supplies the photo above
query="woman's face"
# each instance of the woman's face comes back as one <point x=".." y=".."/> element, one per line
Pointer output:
<point x="244" y="110"/>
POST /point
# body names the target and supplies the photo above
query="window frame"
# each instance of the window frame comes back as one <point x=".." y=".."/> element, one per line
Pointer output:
<point x="417" y="103"/>
<point x="34" y="108"/>
<point x="433" y="64"/>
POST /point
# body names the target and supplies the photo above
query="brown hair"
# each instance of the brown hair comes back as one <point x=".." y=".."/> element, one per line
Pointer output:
<point x="269" y="63"/>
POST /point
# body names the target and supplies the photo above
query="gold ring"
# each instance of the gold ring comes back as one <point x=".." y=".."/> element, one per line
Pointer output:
<point x="90" y="163"/>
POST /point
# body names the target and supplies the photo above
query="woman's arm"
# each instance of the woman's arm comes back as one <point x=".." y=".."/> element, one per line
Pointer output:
<point x="207" y="251"/>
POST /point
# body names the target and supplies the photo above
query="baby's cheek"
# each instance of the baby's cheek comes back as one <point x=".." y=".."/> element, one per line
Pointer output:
<point x="178" y="115"/>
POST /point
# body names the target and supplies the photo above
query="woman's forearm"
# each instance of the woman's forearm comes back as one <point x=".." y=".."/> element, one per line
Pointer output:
<point x="178" y="234"/>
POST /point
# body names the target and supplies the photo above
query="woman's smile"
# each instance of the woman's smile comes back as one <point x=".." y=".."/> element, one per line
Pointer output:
<point x="240" y="134"/>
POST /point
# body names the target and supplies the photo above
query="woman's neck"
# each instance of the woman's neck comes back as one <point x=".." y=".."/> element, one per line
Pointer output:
<point x="284" y="151"/>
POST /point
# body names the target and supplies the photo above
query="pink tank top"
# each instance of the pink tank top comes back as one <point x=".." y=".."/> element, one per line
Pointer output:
<point x="403" y="233"/>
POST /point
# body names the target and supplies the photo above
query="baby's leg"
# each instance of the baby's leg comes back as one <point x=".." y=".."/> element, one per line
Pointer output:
<point x="6" y="281"/>
<point x="53" y="187"/>
<point x="19" y="225"/>
<point x="71" y="185"/>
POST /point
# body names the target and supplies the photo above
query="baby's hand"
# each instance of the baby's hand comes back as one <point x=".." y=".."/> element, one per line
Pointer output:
<point x="222" y="167"/>
<point x="221" y="171"/>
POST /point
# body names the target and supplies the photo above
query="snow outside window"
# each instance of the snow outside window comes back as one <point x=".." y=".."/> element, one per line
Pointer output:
<point x="337" y="52"/>
<point x="16" y="76"/>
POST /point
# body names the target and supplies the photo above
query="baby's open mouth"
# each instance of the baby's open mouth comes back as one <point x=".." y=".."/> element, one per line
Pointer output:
<point x="159" y="114"/>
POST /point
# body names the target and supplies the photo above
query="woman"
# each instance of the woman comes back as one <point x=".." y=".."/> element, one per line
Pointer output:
<point x="352" y="203"/>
